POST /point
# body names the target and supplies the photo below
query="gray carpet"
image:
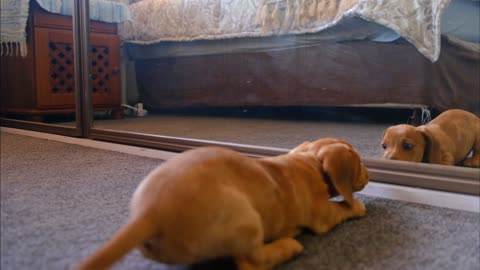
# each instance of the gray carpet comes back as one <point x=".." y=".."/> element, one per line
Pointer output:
<point x="365" y="137"/>
<point x="59" y="202"/>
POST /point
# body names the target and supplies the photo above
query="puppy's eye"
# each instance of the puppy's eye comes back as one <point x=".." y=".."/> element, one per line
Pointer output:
<point x="407" y="146"/>
<point x="384" y="146"/>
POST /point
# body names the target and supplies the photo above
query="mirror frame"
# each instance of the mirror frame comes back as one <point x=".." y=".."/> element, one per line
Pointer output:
<point x="436" y="177"/>
<point x="41" y="127"/>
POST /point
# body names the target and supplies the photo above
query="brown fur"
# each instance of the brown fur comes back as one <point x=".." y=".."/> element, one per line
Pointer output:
<point x="445" y="140"/>
<point x="214" y="202"/>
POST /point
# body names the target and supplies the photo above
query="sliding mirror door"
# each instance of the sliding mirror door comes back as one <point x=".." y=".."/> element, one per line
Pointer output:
<point x="265" y="76"/>
<point x="39" y="88"/>
<point x="105" y="62"/>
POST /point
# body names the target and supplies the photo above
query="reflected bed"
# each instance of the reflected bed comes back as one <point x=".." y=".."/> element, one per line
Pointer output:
<point x="349" y="61"/>
<point x="287" y="53"/>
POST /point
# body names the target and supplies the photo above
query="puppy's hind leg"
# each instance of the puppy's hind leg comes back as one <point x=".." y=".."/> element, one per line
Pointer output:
<point x="268" y="255"/>
<point x="475" y="160"/>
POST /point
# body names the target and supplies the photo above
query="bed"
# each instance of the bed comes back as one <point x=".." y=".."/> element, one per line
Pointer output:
<point x="305" y="53"/>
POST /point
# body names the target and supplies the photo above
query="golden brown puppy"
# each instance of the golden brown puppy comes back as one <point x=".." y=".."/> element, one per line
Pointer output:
<point x="213" y="202"/>
<point x="447" y="140"/>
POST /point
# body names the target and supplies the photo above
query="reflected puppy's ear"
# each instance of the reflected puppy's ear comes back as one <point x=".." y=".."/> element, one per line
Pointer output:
<point x="340" y="164"/>
<point x="432" y="152"/>
<point x="383" y="133"/>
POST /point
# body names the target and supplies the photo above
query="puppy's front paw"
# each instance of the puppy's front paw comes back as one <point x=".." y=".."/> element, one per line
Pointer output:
<point x="293" y="245"/>
<point x="359" y="209"/>
<point x="472" y="162"/>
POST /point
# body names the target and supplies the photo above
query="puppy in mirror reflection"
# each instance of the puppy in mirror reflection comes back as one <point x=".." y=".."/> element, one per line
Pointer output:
<point x="214" y="202"/>
<point x="446" y="140"/>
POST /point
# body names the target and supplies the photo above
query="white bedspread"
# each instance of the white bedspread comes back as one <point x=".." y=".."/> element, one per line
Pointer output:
<point x="418" y="21"/>
<point x="13" y="19"/>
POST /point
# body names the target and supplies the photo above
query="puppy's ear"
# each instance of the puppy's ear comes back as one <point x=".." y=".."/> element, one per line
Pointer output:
<point x="304" y="147"/>
<point x="341" y="165"/>
<point x="432" y="152"/>
<point x="314" y="147"/>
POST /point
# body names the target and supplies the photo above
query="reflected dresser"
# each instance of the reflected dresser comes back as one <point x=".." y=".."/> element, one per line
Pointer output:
<point x="43" y="82"/>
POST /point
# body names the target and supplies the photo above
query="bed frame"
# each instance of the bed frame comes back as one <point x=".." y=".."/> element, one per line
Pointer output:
<point x="328" y="74"/>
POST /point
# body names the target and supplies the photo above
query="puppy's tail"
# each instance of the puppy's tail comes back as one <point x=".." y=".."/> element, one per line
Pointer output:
<point x="131" y="235"/>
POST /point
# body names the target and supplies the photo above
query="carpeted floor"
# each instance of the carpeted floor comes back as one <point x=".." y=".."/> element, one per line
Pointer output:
<point x="280" y="127"/>
<point x="365" y="137"/>
<point x="59" y="202"/>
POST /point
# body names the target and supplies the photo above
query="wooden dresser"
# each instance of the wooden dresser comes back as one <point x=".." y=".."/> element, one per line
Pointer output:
<point x="43" y="82"/>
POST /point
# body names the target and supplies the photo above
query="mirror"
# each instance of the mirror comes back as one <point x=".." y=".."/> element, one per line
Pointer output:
<point x="277" y="73"/>
<point x="105" y="59"/>
<point x="37" y="65"/>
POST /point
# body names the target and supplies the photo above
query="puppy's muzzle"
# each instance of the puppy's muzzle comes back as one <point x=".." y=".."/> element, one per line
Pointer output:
<point x="391" y="156"/>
